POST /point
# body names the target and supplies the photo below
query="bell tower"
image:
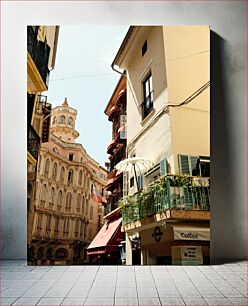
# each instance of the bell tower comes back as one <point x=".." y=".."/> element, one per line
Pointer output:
<point x="63" y="122"/>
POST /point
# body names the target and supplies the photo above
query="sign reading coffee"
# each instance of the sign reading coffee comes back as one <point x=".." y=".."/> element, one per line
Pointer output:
<point x="191" y="233"/>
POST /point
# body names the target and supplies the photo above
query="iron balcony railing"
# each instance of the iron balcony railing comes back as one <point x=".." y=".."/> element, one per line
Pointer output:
<point x="147" y="105"/>
<point x="168" y="193"/>
<point x="39" y="51"/>
<point x="33" y="142"/>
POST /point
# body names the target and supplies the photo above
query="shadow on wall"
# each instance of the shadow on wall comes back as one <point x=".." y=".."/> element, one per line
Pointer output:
<point x="227" y="224"/>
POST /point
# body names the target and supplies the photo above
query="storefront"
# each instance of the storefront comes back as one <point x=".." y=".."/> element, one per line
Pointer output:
<point x="176" y="244"/>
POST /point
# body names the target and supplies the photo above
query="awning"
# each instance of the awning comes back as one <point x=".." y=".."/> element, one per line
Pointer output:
<point x="109" y="183"/>
<point x="112" y="145"/>
<point x="191" y="233"/>
<point x="103" y="239"/>
<point x="113" y="110"/>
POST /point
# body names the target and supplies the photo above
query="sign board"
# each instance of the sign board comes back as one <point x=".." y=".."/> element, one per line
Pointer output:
<point x="187" y="255"/>
<point x="191" y="233"/>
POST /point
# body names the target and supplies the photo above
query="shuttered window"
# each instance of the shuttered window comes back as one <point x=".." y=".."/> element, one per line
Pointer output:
<point x="163" y="167"/>
<point x="189" y="164"/>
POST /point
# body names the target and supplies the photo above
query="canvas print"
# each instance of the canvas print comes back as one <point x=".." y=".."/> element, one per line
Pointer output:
<point x="120" y="175"/>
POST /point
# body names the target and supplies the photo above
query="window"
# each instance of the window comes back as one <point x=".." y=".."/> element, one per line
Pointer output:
<point x="43" y="193"/>
<point x="48" y="222"/>
<point x="194" y="165"/>
<point x="47" y="165"/>
<point x="55" y="167"/>
<point x="78" y="202"/>
<point x="52" y="196"/>
<point x="140" y="182"/>
<point x="62" y="174"/>
<point x="70" y="177"/>
<point x="70" y="121"/>
<point x="81" y="160"/>
<point x="68" y="201"/>
<point x="80" y="177"/>
<point x="60" y="199"/>
<point x="70" y="157"/>
<point x="147" y="104"/>
<point x="62" y="119"/>
<point x="144" y="48"/>
<point x="83" y="204"/>
<point x="54" y="120"/>
<point x="56" y="224"/>
<point x="66" y="226"/>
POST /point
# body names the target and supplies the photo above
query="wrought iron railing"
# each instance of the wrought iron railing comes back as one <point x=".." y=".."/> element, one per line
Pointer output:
<point x="39" y="51"/>
<point x="33" y="142"/>
<point x="170" y="192"/>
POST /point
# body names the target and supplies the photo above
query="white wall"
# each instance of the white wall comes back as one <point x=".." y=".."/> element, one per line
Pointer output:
<point x="228" y="109"/>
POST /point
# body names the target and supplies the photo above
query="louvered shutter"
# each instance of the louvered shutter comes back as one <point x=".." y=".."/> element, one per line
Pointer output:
<point x="184" y="166"/>
<point x="163" y="167"/>
<point x="140" y="182"/>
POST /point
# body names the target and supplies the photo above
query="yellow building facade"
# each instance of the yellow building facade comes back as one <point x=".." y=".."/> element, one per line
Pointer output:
<point x="65" y="215"/>
<point x="168" y="122"/>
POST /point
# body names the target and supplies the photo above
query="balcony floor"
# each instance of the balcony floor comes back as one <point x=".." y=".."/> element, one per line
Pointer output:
<point x="123" y="285"/>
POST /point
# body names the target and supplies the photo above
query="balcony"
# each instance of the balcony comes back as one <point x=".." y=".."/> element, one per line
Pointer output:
<point x="33" y="142"/>
<point x="39" y="52"/>
<point x="171" y="193"/>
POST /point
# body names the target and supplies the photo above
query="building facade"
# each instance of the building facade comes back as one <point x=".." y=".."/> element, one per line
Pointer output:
<point x="168" y="122"/>
<point x="66" y="214"/>
<point x="41" y="54"/>
<point x="106" y="247"/>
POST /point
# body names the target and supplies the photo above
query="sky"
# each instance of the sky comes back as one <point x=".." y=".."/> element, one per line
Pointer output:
<point x="84" y="75"/>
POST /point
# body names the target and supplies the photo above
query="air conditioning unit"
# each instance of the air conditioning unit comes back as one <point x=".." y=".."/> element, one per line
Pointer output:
<point x="200" y="181"/>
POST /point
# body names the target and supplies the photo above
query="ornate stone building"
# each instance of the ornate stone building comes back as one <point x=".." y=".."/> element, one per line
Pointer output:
<point x="66" y="214"/>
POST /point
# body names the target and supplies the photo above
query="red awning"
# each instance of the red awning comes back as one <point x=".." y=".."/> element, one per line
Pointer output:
<point x="109" y="183"/>
<point x="113" y="110"/>
<point x="119" y="100"/>
<point x="112" y="145"/>
<point x="104" y="237"/>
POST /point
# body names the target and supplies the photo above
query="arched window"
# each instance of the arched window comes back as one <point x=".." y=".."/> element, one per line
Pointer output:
<point x="87" y="207"/>
<point x="43" y="196"/>
<point x="51" y="200"/>
<point x="70" y="121"/>
<point x="81" y="160"/>
<point x="70" y="177"/>
<point x="80" y="178"/>
<point x="78" y="202"/>
<point x="60" y="200"/>
<point x="62" y="174"/>
<point x="47" y="165"/>
<point x="62" y="119"/>
<point x="68" y="201"/>
<point x="54" y="120"/>
<point x="55" y="167"/>
<point x="83" y="204"/>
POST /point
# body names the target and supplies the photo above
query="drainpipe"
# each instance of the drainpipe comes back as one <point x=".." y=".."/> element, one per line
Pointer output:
<point x="122" y="73"/>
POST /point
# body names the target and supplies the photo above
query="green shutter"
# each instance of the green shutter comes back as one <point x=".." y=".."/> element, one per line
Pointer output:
<point x="140" y="182"/>
<point x="163" y="167"/>
<point x="184" y="167"/>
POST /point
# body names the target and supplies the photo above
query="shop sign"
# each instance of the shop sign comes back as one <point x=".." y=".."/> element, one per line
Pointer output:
<point x="184" y="233"/>
<point x="157" y="234"/>
<point x="191" y="255"/>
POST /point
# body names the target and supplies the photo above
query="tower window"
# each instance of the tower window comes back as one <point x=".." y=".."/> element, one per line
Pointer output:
<point x="71" y="157"/>
<point x="62" y="119"/>
<point x="70" y="121"/>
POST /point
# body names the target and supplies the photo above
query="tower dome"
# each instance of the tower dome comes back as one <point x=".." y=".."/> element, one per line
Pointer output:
<point x="63" y="122"/>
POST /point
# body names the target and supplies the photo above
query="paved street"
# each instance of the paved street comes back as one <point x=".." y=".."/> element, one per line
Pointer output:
<point x="123" y="285"/>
